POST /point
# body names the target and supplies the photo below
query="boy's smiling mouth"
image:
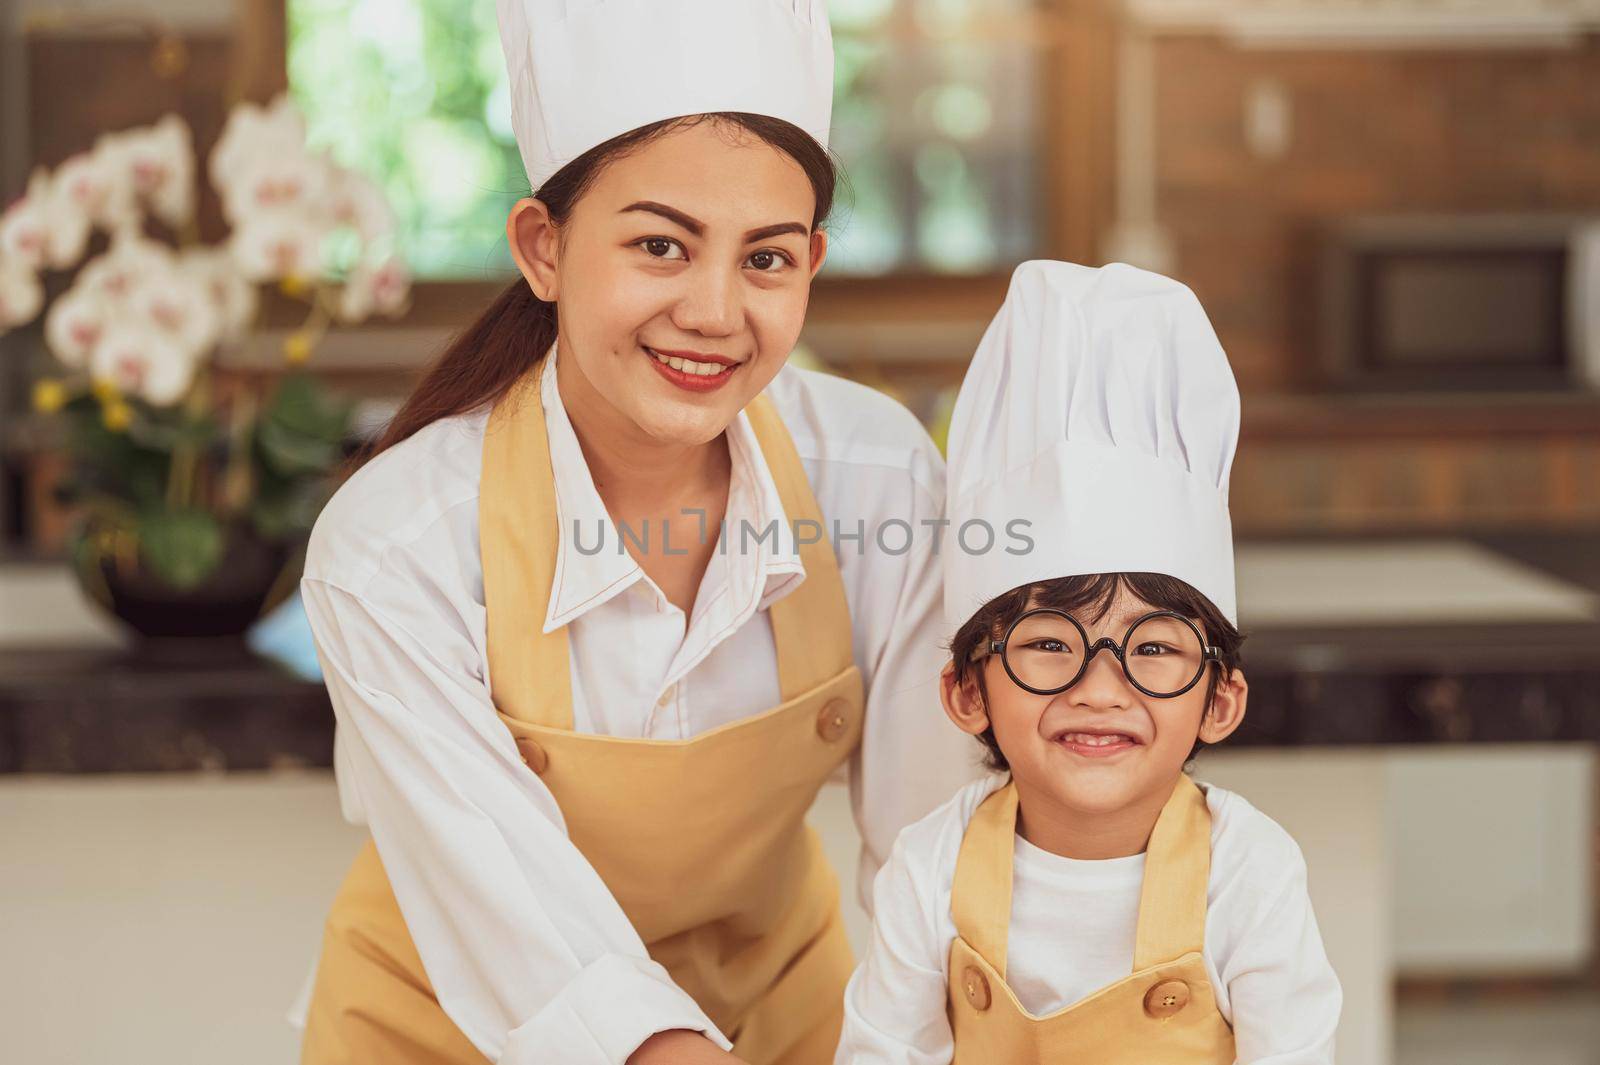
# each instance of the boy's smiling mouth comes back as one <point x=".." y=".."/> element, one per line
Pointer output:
<point x="1095" y="743"/>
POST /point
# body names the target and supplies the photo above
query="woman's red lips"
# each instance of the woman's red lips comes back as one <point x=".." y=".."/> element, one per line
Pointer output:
<point x="696" y="356"/>
<point x="687" y="379"/>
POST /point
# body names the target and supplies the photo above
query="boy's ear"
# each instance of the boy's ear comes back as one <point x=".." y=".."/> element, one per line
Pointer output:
<point x="1226" y="712"/>
<point x="963" y="703"/>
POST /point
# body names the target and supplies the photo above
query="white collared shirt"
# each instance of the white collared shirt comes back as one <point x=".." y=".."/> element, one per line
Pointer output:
<point x="1072" y="931"/>
<point x="527" y="951"/>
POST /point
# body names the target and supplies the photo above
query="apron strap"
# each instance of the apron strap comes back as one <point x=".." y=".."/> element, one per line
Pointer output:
<point x="980" y="895"/>
<point x="1172" y="901"/>
<point x="810" y="625"/>
<point x="1177" y="875"/>
<point x="519" y="536"/>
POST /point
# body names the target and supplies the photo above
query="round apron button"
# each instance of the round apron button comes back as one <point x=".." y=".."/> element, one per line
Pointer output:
<point x="533" y="755"/>
<point x="976" y="987"/>
<point x="1166" y="998"/>
<point x="833" y="720"/>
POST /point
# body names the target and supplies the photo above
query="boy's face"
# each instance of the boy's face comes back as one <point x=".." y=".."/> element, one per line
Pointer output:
<point x="1101" y="746"/>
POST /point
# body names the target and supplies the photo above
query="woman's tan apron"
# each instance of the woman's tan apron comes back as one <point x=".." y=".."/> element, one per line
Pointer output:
<point x="1164" y="1014"/>
<point x="703" y="841"/>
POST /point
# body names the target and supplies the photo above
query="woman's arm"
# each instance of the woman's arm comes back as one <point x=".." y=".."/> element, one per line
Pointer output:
<point x="527" y="950"/>
<point x="681" y="1048"/>
<point x="911" y="758"/>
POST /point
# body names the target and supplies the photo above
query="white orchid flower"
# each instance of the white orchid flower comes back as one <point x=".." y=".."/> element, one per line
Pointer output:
<point x="233" y="298"/>
<point x="252" y="133"/>
<point x="357" y="201"/>
<point x="381" y="288"/>
<point x="113" y="275"/>
<point x="84" y="182"/>
<point x="160" y="159"/>
<point x="141" y="360"/>
<point x="25" y="226"/>
<point x="276" y="244"/>
<point x="276" y="183"/>
<point x="21" y="295"/>
<point x="179" y="307"/>
<point x="68" y="209"/>
<point x="107" y="182"/>
<point x="74" y="325"/>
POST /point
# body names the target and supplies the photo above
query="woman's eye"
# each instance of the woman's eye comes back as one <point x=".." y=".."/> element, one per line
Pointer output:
<point x="768" y="262"/>
<point x="662" y="248"/>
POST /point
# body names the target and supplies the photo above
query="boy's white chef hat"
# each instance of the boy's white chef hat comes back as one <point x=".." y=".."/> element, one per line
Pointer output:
<point x="1100" y="409"/>
<point x="584" y="71"/>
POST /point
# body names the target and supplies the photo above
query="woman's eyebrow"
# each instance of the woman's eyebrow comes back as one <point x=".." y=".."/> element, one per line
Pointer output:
<point x="698" y="228"/>
<point x="767" y="232"/>
<point x="671" y="214"/>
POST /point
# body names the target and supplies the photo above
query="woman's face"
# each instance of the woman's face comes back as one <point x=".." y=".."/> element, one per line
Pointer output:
<point x="681" y="277"/>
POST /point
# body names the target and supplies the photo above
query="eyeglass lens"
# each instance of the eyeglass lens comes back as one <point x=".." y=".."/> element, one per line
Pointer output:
<point x="1163" y="655"/>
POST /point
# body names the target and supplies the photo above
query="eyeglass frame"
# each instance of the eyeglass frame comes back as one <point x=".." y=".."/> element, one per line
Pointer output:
<point x="1118" y="650"/>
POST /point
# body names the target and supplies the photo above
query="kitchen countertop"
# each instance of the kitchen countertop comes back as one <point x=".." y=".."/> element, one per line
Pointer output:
<point x="1349" y="642"/>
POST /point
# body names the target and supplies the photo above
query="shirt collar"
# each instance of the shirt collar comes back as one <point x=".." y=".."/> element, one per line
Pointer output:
<point x="776" y="558"/>
<point x="587" y="577"/>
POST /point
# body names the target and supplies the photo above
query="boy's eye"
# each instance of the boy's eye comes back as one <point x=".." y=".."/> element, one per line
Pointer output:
<point x="1052" y="646"/>
<point x="662" y="248"/>
<point x="768" y="261"/>
<point x="1154" y="649"/>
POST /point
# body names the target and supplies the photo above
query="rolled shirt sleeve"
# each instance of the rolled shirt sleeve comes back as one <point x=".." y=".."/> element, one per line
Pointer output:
<point x="911" y="759"/>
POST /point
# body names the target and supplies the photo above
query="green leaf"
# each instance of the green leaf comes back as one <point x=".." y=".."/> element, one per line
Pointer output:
<point x="114" y="464"/>
<point x="286" y="510"/>
<point x="302" y="430"/>
<point x="182" y="547"/>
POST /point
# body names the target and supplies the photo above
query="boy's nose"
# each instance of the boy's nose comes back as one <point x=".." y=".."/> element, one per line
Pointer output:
<point x="1102" y="685"/>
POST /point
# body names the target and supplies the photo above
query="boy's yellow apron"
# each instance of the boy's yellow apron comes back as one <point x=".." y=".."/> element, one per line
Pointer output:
<point x="703" y="842"/>
<point x="1164" y="1014"/>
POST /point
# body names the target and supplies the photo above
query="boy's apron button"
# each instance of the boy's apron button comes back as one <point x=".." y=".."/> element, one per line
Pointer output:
<point x="976" y="987"/>
<point x="1166" y="998"/>
<point x="533" y="755"/>
<point x="833" y="720"/>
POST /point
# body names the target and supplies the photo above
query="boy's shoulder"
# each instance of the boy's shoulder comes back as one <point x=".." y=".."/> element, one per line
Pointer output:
<point x="1251" y="854"/>
<point x="933" y="842"/>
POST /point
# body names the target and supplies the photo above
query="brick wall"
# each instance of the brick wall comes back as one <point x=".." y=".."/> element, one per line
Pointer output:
<point x="1448" y="131"/>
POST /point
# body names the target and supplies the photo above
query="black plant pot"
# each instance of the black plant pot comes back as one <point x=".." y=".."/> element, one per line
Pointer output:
<point x="223" y="606"/>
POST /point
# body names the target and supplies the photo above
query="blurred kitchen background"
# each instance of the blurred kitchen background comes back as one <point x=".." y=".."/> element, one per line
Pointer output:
<point x="1390" y="208"/>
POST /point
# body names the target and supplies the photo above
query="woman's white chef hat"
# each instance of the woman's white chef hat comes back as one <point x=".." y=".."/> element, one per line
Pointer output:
<point x="1100" y="410"/>
<point x="584" y="71"/>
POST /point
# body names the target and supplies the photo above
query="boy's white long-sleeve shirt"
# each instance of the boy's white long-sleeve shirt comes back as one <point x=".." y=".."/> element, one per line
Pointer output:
<point x="1072" y="933"/>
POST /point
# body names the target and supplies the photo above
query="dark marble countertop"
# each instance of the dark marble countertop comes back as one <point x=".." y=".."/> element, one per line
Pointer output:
<point x="210" y="706"/>
<point x="155" y="708"/>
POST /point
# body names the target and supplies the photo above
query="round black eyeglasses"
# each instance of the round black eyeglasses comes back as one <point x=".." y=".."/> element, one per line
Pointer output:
<point x="1046" y="651"/>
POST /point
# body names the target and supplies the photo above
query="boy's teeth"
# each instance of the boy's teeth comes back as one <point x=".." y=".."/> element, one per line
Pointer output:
<point x="682" y="365"/>
<point x="1089" y="740"/>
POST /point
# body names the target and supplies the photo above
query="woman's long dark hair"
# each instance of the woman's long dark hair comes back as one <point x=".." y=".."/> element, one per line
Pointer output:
<point x="485" y="359"/>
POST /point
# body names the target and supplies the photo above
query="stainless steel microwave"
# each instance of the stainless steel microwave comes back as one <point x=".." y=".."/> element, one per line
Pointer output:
<point x="1461" y="302"/>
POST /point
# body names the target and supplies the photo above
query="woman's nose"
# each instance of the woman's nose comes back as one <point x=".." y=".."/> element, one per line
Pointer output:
<point x="712" y="305"/>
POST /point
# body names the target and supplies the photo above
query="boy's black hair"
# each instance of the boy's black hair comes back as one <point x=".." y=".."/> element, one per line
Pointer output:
<point x="1087" y="598"/>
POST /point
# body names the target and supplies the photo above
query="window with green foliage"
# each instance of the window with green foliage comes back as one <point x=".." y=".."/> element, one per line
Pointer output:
<point x="933" y="123"/>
